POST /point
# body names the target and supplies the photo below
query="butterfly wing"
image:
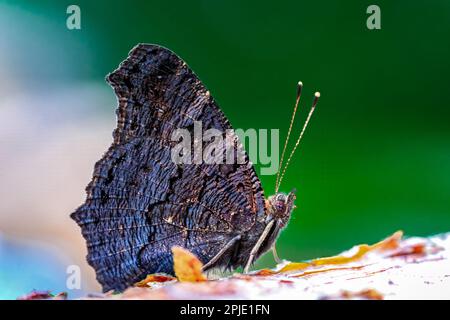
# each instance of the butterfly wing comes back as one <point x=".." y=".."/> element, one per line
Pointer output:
<point x="140" y="203"/>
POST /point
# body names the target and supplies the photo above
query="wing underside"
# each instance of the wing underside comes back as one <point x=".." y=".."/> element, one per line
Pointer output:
<point x="139" y="202"/>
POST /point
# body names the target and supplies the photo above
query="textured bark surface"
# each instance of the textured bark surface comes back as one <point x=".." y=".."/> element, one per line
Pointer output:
<point x="396" y="268"/>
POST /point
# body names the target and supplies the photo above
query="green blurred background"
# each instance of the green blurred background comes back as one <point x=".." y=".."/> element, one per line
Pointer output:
<point x="375" y="159"/>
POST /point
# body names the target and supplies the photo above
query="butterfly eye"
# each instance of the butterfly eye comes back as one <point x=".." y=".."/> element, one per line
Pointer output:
<point x="280" y="206"/>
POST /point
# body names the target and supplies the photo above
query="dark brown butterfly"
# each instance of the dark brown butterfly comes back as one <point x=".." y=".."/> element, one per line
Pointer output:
<point x="140" y="203"/>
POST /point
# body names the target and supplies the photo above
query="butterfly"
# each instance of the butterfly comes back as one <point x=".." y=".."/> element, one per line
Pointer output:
<point x="140" y="203"/>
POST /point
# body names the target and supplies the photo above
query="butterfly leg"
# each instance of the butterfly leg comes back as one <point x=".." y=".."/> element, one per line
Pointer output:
<point x="258" y="245"/>
<point x="275" y="254"/>
<point x="221" y="252"/>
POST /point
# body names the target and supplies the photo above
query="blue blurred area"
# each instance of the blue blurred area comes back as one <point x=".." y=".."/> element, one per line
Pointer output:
<point x="26" y="266"/>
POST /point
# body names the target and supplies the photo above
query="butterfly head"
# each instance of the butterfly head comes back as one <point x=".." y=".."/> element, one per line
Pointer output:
<point x="280" y="206"/>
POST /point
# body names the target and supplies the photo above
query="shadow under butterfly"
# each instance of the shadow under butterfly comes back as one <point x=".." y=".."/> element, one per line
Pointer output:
<point x="140" y="203"/>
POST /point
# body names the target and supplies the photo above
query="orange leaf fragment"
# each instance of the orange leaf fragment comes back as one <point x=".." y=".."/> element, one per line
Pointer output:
<point x="415" y="249"/>
<point x="186" y="265"/>
<point x="295" y="266"/>
<point x="362" y="250"/>
<point x="265" y="272"/>
<point x="154" y="278"/>
<point x="369" y="294"/>
<point x="390" y="243"/>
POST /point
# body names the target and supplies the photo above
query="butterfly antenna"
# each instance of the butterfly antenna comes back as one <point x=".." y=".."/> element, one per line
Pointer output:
<point x="313" y="107"/>
<point x="297" y="100"/>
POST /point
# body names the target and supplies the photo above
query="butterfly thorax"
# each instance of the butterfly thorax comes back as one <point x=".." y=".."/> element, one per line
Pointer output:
<point x="278" y="210"/>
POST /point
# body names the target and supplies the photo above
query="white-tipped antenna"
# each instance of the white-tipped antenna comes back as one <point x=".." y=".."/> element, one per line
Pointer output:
<point x="297" y="100"/>
<point x="313" y="107"/>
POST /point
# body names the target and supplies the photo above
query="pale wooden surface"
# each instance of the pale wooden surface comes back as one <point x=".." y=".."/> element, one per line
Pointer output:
<point x="412" y="268"/>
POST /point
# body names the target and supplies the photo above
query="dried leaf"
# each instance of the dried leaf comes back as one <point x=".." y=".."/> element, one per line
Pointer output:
<point x="154" y="278"/>
<point x="295" y="266"/>
<point x="361" y="251"/>
<point x="366" y="294"/>
<point x="43" y="295"/>
<point x="187" y="266"/>
<point x="369" y="294"/>
<point x="264" y="272"/>
<point x="414" y="249"/>
<point x="389" y="243"/>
